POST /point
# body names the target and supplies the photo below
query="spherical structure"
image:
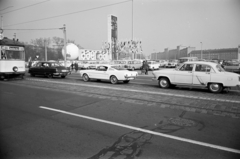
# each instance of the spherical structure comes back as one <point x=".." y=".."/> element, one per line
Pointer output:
<point x="72" y="51"/>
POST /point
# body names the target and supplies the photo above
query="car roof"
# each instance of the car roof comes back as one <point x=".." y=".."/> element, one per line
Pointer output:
<point x="201" y="62"/>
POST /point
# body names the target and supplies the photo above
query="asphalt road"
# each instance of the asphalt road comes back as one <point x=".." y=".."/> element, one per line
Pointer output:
<point x="68" y="118"/>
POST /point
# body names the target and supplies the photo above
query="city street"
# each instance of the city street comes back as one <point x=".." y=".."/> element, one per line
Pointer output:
<point x="69" y="118"/>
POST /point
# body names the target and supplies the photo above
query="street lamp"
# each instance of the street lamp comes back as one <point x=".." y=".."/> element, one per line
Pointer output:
<point x="201" y="50"/>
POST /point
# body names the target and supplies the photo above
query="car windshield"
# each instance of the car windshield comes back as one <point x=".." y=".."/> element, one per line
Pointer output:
<point x="118" y="67"/>
<point x="219" y="68"/>
<point x="56" y="64"/>
<point x="14" y="55"/>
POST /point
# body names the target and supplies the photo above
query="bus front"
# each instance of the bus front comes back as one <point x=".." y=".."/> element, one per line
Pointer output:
<point x="12" y="61"/>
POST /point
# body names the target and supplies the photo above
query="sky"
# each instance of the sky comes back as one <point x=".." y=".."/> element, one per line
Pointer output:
<point x="159" y="24"/>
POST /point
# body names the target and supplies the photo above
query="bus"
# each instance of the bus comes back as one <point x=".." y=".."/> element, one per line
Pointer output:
<point x="185" y="59"/>
<point x="12" y="58"/>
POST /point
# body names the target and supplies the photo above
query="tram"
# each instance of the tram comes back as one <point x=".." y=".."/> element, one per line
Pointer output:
<point x="12" y="58"/>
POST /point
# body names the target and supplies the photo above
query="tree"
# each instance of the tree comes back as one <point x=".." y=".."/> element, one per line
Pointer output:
<point x="41" y="42"/>
<point x="54" y="48"/>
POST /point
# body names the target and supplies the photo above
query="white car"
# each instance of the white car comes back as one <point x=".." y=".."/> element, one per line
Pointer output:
<point x="172" y="63"/>
<point x="112" y="73"/>
<point x="198" y="74"/>
<point x="163" y="63"/>
<point x="153" y="65"/>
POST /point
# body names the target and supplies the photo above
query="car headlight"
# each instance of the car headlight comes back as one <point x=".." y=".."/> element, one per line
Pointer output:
<point x="15" y="68"/>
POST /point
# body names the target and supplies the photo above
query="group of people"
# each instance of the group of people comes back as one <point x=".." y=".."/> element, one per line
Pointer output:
<point x="145" y="67"/>
<point x="74" y="66"/>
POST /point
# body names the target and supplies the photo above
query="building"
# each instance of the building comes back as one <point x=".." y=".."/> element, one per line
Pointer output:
<point x="220" y="54"/>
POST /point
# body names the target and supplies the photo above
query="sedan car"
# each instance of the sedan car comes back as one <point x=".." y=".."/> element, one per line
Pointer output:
<point x="109" y="72"/>
<point x="172" y="63"/>
<point x="232" y="66"/>
<point x="198" y="74"/>
<point x="49" y="69"/>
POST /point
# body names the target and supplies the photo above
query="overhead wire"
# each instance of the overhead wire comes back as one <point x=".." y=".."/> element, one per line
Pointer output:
<point x="24" y="7"/>
<point x="6" y="8"/>
<point x="36" y="29"/>
<point x="71" y="13"/>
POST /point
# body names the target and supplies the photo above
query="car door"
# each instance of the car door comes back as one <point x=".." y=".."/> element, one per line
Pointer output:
<point x="184" y="76"/>
<point x="202" y="74"/>
<point x="37" y="70"/>
<point x="99" y="73"/>
<point x="47" y="68"/>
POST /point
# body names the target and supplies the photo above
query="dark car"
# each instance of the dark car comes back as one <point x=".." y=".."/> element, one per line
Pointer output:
<point x="49" y="69"/>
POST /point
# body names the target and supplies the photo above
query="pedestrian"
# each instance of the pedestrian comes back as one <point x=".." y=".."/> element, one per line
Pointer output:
<point x="76" y="66"/>
<point x="30" y="64"/>
<point x="142" y="68"/>
<point x="146" y="67"/>
<point x="72" y="65"/>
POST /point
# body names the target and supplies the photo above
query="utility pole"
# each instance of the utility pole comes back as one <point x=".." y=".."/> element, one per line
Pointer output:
<point x="201" y="50"/>
<point x="1" y="22"/>
<point x="65" y="45"/>
<point x="45" y="45"/>
<point x="14" y="35"/>
<point x="133" y="56"/>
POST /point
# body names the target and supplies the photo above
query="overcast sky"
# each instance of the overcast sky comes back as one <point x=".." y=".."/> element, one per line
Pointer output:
<point x="158" y="24"/>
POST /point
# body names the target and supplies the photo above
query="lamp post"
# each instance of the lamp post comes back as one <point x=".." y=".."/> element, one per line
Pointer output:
<point x="201" y="50"/>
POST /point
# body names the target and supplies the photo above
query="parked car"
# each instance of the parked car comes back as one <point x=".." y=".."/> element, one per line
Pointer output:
<point x="49" y="69"/>
<point x="172" y="63"/>
<point x="198" y="74"/>
<point x="162" y="63"/>
<point x="153" y="65"/>
<point x="113" y="73"/>
<point x="232" y="66"/>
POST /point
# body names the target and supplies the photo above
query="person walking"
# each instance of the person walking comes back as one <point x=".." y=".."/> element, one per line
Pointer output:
<point x="146" y="67"/>
<point x="71" y="67"/>
<point x="76" y="66"/>
<point x="142" y="68"/>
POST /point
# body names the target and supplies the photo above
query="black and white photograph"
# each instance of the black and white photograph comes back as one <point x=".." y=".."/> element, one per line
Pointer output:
<point x="120" y="79"/>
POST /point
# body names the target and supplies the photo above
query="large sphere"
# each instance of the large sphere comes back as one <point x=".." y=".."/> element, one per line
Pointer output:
<point x="72" y="51"/>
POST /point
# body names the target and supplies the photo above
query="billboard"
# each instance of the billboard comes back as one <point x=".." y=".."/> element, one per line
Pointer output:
<point x="113" y="36"/>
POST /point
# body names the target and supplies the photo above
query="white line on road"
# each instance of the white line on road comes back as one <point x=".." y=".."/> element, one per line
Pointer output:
<point x="142" y="91"/>
<point x="146" y="131"/>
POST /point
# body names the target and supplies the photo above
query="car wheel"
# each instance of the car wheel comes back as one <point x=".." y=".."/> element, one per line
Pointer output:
<point x="32" y="74"/>
<point x="164" y="83"/>
<point x="127" y="81"/>
<point x="50" y="76"/>
<point x="113" y="79"/>
<point x="85" y="77"/>
<point x="215" y="87"/>
<point x="63" y="76"/>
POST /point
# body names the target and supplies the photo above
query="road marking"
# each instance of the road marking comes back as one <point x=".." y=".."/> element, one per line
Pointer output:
<point x="145" y="130"/>
<point x="141" y="91"/>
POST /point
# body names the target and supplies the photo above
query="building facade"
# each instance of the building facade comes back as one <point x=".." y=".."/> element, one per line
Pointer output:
<point x="220" y="54"/>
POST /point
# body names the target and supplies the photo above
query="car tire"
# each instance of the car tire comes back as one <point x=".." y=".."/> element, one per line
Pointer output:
<point x="86" y="78"/>
<point x="63" y="76"/>
<point x="164" y="83"/>
<point x="113" y="80"/>
<point x="32" y="74"/>
<point x="215" y="87"/>
<point x="50" y="76"/>
<point x="127" y="81"/>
